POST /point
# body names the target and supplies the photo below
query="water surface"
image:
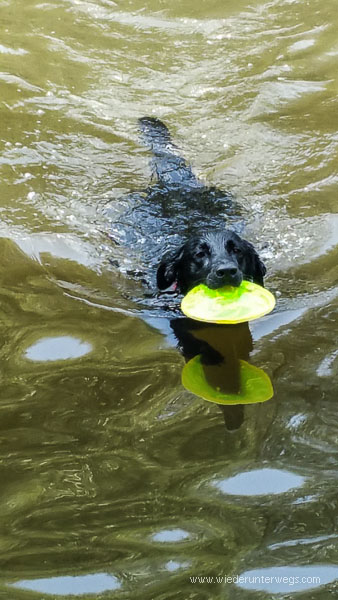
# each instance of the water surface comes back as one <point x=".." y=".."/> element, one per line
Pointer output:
<point x="107" y="462"/>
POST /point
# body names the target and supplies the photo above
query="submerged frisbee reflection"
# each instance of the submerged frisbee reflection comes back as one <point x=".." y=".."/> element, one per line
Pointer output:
<point x="206" y="382"/>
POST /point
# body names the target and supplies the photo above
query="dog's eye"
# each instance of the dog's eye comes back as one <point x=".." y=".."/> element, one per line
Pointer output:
<point x="202" y="251"/>
<point x="231" y="247"/>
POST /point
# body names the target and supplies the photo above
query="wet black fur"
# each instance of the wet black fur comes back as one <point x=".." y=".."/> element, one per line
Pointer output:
<point x="215" y="256"/>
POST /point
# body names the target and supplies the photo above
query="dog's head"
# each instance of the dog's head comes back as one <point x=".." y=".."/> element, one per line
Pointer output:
<point x="214" y="259"/>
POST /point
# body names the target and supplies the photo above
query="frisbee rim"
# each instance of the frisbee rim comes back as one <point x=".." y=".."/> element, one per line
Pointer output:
<point x="270" y="298"/>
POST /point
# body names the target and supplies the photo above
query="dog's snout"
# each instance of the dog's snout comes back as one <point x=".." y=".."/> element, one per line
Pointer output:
<point x="224" y="271"/>
<point x="224" y="274"/>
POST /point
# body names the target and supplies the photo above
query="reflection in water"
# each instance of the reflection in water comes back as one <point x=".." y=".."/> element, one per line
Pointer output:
<point x="174" y="565"/>
<point x="260" y="482"/>
<point x="57" y="348"/>
<point x="325" y="369"/>
<point x="216" y="370"/>
<point x="209" y="382"/>
<point x="290" y="579"/>
<point x="304" y="541"/>
<point x="71" y="586"/>
<point x="171" y="535"/>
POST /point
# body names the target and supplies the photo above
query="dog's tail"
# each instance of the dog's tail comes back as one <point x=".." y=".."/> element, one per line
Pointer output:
<point x="169" y="167"/>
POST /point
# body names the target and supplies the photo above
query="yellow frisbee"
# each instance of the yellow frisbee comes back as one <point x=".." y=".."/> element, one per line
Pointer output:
<point x="255" y="385"/>
<point x="228" y="305"/>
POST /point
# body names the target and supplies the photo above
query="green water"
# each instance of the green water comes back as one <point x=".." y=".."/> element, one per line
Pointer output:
<point x="115" y="480"/>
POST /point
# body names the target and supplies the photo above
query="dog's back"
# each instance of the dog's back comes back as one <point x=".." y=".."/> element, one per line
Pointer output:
<point x="168" y="166"/>
<point x="176" y="207"/>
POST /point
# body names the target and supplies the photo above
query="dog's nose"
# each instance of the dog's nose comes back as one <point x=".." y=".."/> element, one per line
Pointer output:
<point x="223" y="271"/>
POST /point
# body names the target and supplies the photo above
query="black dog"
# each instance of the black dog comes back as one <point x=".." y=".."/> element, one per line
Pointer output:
<point x="216" y="256"/>
<point x="183" y="215"/>
<point x="181" y="219"/>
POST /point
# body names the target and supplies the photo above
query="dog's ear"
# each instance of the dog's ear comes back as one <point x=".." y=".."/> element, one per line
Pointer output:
<point x="255" y="269"/>
<point x="167" y="270"/>
<point x="259" y="270"/>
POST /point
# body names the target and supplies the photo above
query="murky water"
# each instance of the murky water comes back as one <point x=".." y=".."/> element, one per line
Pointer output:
<point x="115" y="478"/>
